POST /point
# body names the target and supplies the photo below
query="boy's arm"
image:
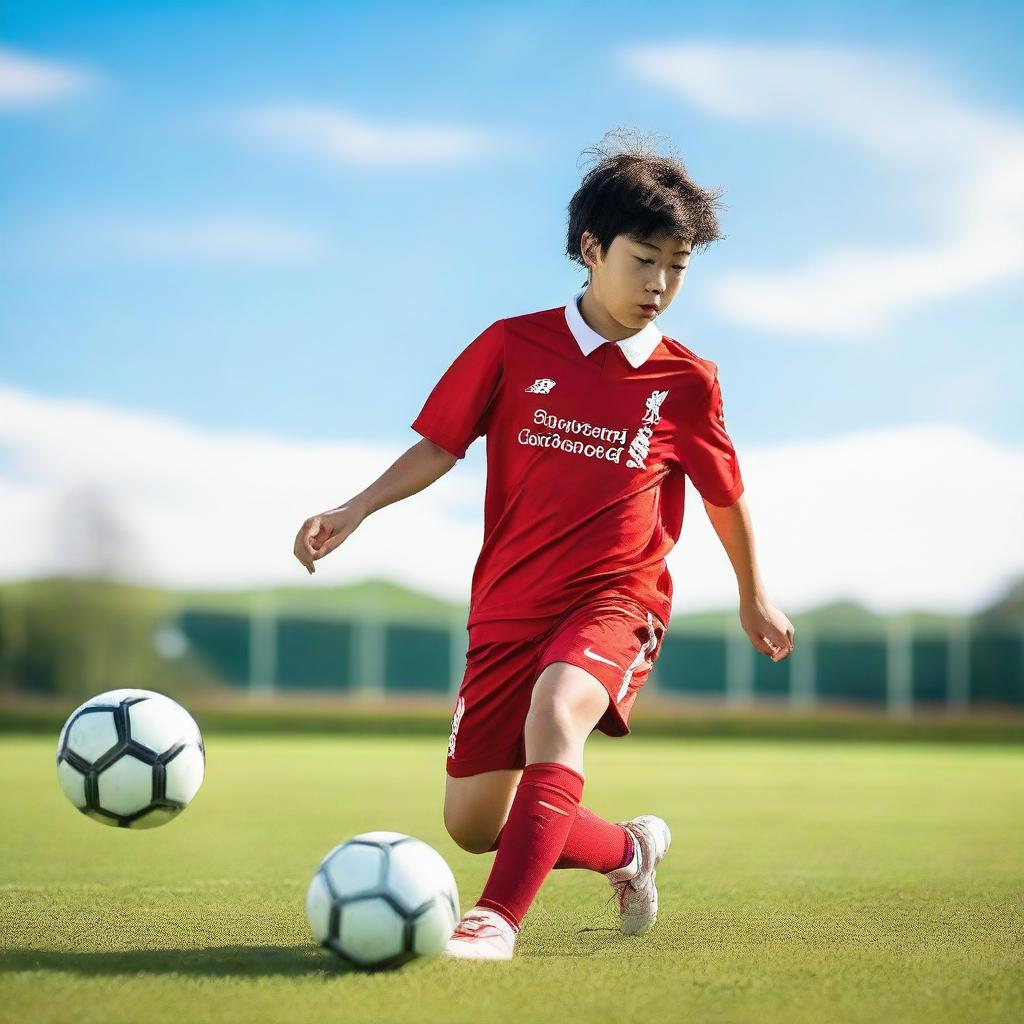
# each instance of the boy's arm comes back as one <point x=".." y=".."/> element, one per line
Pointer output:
<point x="735" y="531"/>
<point x="455" y="413"/>
<point x="415" y="469"/>
<point x="411" y="472"/>
<point x="767" y="627"/>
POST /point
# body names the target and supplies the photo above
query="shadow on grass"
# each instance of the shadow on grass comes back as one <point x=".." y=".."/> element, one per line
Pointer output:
<point x="214" y="961"/>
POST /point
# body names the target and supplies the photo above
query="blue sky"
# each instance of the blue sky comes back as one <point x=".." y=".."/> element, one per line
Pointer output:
<point x="288" y="219"/>
<point x="416" y="258"/>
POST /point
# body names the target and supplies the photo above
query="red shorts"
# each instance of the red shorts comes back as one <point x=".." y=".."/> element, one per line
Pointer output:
<point x="615" y="639"/>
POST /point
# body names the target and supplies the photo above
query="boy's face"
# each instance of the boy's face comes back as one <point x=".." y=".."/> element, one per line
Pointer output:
<point x="637" y="273"/>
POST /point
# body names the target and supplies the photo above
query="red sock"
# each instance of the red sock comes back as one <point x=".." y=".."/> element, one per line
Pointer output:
<point x="595" y="844"/>
<point x="538" y="822"/>
<point x="592" y="843"/>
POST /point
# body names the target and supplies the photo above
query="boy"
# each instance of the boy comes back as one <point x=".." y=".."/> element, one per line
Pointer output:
<point x="592" y="420"/>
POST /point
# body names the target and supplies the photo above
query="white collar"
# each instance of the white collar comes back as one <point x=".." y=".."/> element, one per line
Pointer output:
<point x="637" y="348"/>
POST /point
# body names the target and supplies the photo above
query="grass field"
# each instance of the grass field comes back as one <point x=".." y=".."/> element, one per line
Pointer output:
<point x="806" y="882"/>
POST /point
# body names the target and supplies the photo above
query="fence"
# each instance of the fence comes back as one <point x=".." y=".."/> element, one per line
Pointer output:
<point x="964" y="666"/>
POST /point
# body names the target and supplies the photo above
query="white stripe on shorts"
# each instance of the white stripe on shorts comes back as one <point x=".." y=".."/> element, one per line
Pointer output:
<point x="644" y="654"/>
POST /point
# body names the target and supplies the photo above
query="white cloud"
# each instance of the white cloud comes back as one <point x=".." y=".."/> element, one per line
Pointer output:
<point x="968" y="162"/>
<point x="28" y="81"/>
<point x="924" y="516"/>
<point x="212" y="508"/>
<point x="343" y="138"/>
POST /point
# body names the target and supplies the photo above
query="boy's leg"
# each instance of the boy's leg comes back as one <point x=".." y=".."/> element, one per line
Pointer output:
<point x="476" y="807"/>
<point x="593" y="844"/>
<point x="565" y="706"/>
<point x="632" y="636"/>
<point x="561" y="716"/>
<point x="483" y="769"/>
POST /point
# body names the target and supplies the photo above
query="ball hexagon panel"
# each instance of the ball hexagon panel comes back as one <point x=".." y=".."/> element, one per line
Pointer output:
<point x="416" y="873"/>
<point x="370" y="930"/>
<point x="318" y="908"/>
<point x="73" y="784"/>
<point x="433" y="927"/>
<point x="161" y="725"/>
<point x="382" y="838"/>
<point x="354" y="867"/>
<point x="126" y="787"/>
<point x="184" y="774"/>
<point x="125" y="693"/>
<point x="92" y="733"/>
<point x="154" y="817"/>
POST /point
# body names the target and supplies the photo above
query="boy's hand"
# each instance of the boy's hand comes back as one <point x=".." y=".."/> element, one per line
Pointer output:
<point x="320" y="535"/>
<point x="769" y="630"/>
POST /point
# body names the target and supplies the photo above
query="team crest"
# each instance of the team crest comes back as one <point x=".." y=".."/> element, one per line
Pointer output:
<point x="640" y="446"/>
<point x="541" y="386"/>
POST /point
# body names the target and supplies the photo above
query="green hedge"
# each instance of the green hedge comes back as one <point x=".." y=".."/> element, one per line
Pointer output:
<point x="344" y="719"/>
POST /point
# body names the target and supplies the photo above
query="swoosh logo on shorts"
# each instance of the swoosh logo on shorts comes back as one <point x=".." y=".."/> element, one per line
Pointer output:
<point x="588" y="653"/>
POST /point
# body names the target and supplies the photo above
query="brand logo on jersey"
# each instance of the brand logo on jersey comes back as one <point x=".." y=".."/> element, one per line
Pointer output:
<point x="541" y="386"/>
<point x="640" y="446"/>
<point x="460" y="708"/>
<point x="588" y="653"/>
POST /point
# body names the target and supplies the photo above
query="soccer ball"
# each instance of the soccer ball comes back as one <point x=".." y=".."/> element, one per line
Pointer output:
<point x="382" y="899"/>
<point x="131" y="758"/>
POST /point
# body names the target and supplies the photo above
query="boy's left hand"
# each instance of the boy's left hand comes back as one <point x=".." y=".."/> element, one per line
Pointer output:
<point x="768" y="628"/>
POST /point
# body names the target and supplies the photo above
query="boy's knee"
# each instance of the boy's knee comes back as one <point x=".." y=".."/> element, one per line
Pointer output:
<point x="468" y="835"/>
<point x="566" y="693"/>
<point x="552" y="724"/>
<point x="552" y="712"/>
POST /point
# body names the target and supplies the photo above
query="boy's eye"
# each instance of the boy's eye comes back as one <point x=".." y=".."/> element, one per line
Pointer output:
<point x="651" y="261"/>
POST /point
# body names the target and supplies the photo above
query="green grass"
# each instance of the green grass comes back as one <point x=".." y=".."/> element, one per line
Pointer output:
<point x="806" y="882"/>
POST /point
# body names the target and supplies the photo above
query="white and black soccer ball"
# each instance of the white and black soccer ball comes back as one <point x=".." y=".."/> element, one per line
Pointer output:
<point x="382" y="899"/>
<point x="131" y="758"/>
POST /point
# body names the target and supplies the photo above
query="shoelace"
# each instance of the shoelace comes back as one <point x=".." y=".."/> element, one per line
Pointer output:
<point x="621" y="890"/>
<point x="475" y="928"/>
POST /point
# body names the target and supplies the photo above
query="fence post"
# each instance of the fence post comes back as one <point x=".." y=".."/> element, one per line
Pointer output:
<point x="739" y="667"/>
<point x="803" y="670"/>
<point x="262" y="643"/>
<point x="457" y="647"/>
<point x="958" y="688"/>
<point x="370" y="654"/>
<point x="899" y="667"/>
<point x="1020" y="662"/>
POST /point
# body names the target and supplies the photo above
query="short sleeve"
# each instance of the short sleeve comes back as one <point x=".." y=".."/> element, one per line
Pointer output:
<point x="458" y="409"/>
<point x="706" y="451"/>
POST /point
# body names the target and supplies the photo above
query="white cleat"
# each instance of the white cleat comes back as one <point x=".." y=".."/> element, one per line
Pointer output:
<point x="482" y="934"/>
<point x="634" y="883"/>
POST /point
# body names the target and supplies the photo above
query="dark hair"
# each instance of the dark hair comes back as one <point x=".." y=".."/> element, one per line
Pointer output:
<point x="634" y="191"/>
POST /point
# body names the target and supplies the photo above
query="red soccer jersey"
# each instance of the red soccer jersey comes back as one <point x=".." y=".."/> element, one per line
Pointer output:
<point x="588" y="443"/>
